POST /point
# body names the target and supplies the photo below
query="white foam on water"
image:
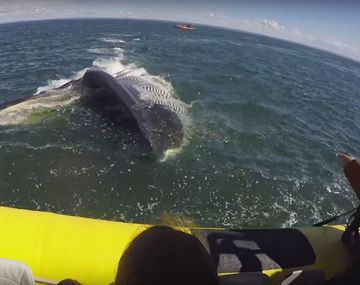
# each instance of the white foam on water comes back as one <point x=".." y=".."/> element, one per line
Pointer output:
<point x="52" y="84"/>
<point x="106" y="51"/>
<point x="112" y="40"/>
<point x="56" y="83"/>
<point x="171" y="153"/>
<point x="21" y="113"/>
<point x="111" y="65"/>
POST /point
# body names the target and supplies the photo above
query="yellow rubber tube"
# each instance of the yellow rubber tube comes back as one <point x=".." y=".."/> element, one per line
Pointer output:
<point x="56" y="246"/>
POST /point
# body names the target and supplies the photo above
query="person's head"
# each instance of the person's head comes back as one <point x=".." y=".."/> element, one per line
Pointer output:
<point x="68" y="282"/>
<point x="162" y="255"/>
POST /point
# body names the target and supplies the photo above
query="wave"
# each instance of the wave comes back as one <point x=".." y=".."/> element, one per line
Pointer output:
<point x="110" y="65"/>
<point x="202" y="41"/>
<point x="106" y="51"/>
<point x="112" y="40"/>
<point x="55" y="83"/>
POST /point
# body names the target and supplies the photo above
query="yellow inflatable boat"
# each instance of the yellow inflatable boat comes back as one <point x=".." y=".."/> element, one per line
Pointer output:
<point x="88" y="250"/>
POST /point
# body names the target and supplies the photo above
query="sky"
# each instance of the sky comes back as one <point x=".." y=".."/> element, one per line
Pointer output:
<point x="325" y="24"/>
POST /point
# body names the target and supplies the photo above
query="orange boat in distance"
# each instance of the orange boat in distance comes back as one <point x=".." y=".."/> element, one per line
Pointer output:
<point x="187" y="27"/>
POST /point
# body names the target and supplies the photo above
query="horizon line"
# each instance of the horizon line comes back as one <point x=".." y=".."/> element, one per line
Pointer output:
<point x="357" y="60"/>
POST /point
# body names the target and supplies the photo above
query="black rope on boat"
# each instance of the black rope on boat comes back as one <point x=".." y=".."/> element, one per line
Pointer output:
<point x="335" y="218"/>
<point x="351" y="237"/>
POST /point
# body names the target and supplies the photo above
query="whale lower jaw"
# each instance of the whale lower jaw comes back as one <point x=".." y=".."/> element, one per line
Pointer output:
<point x="161" y="126"/>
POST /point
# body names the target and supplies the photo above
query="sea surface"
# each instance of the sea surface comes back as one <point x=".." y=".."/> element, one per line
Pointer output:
<point x="267" y="120"/>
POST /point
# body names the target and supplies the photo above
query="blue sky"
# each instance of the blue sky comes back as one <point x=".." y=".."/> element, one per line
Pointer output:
<point x="326" y="24"/>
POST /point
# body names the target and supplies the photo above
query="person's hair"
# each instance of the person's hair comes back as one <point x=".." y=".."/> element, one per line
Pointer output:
<point x="68" y="282"/>
<point x="161" y="255"/>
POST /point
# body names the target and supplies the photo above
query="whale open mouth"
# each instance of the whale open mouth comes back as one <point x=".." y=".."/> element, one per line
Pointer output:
<point x="127" y="100"/>
<point x="123" y="103"/>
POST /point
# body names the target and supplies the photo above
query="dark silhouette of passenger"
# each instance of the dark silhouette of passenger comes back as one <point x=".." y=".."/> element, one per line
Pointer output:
<point x="162" y="255"/>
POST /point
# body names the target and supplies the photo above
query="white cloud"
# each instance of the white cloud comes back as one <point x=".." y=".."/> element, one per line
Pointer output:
<point x="298" y="33"/>
<point x="269" y="24"/>
<point x="338" y="44"/>
<point x="41" y="10"/>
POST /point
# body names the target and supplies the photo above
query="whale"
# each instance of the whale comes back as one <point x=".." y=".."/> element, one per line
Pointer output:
<point x="127" y="100"/>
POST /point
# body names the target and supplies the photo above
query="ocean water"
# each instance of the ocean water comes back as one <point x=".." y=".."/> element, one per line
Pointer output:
<point x="267" y="120"/>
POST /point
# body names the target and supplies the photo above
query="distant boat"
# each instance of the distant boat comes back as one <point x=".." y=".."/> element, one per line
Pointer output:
<point x="187" y="27"/>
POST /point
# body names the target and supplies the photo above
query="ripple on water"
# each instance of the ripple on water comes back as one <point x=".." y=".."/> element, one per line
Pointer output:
<point x="267" y="119"/>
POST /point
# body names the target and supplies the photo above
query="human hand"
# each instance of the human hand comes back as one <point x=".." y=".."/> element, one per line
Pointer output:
<point x="346" y="159"/>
